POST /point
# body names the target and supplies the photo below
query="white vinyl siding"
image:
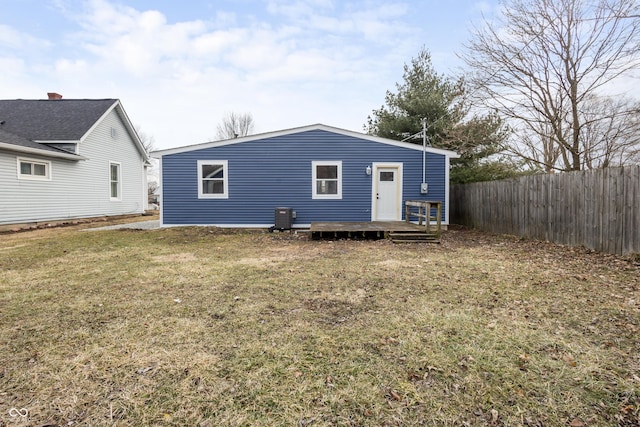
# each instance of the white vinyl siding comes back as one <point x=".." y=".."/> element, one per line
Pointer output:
<point x="326" y="179"/>
<point x="79" y="188"/>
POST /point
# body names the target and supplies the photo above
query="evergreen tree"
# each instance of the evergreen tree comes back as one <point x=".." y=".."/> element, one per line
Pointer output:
<point x="425" y="94"/>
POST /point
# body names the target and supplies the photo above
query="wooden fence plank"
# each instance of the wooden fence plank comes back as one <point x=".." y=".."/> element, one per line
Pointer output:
<point x="589" y="210"/>
<point x="599" y="209"/>
<point x="635" y="215"/>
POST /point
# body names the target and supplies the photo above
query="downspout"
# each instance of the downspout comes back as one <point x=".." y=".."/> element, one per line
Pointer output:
<point x="424" y="150"/>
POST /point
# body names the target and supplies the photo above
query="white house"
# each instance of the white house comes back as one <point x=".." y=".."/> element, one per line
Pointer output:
<point x="66" y="159"/>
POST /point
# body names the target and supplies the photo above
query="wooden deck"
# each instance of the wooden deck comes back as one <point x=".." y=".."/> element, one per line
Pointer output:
<point x="398" y="231"/>
<point x="367" y="230"/>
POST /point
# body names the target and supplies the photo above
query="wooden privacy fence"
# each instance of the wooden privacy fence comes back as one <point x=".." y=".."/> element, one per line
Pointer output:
<point x="598" y="209"/>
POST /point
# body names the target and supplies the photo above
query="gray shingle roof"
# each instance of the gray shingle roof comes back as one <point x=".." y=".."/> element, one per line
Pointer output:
<point x="51" y="120"/>
<point x="26" y="145"/>
<point x="11" y="138"/>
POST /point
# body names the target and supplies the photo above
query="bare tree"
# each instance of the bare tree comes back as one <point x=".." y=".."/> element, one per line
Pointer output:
<point x="611" y="132"/>
<point x="235" y="125"/>
<point x="148" y="141"/>
<point x="152" y="187"/>
<point x="544" y="62"/>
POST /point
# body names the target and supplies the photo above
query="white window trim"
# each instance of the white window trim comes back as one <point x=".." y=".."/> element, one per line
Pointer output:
<point x="47" y="166"/>
<point x="225" y="182"/>
<point x="119" y="198"/>
<point x="314" y="188"/>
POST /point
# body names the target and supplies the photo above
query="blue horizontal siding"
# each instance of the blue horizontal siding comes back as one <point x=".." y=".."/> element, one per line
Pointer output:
<point x="274" y="172"/>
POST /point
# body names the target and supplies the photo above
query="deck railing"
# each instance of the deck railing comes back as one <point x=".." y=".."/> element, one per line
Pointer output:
<point x="425" y="208"/>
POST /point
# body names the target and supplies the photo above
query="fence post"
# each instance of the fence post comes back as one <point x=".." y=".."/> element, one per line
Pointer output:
<point x="599" y="209"/>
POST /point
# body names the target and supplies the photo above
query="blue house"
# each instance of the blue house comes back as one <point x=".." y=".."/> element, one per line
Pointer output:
<point x="322" y="173"/>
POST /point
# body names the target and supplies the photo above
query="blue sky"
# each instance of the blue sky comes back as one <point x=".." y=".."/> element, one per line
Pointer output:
<point x="179" y="66"/>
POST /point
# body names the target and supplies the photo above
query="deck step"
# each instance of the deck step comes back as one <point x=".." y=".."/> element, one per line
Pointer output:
<point x="413" y="237"/>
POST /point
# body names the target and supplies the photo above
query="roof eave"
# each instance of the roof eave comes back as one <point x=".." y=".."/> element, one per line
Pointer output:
<point x="36" y="151"/>
<point x="132" y="131"/>
<point x="57" y="141"/>
<point x="447" y="153"/>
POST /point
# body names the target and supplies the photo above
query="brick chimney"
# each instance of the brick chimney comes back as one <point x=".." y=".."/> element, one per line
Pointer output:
<point x="54" y="96"/>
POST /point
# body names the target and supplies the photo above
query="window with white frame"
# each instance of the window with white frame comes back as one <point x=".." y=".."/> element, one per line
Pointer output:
<point x="115" y="181"/>
<point x="213" y="180"/>
<point x="327" y="179"/>
<point x="34" y="169"/>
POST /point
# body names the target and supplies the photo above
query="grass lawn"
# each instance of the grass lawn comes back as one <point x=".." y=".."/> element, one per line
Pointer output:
<point x="196" y="326"/>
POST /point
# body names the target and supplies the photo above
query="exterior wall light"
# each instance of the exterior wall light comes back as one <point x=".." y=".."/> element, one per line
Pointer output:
<point x="368" y="170"/>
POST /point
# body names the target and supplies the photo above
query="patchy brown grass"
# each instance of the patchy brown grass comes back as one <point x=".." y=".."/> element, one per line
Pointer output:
<point x="196" y="326"/>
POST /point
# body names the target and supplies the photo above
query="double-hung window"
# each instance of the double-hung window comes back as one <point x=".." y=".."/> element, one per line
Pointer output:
<point x="326" y="179"/>
<point x="115" y="181"/>
<point x="34" y="169"/>
<point x="213" y="180"/>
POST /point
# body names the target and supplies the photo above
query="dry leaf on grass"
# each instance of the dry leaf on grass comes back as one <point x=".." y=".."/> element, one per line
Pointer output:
<point x="494" y="317"/>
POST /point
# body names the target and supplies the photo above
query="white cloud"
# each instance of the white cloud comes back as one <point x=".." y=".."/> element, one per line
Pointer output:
<point x="296" y="10"/>
<point x="11" y="66"/>
<point x="310" y="61"/>
<point x="217" y="42"/>
<point x="144" y="44"/>
<point x="72" y="67"/>
<point x="383" y="21"/>
<point x="136" y="41"/>
<point x="10" y="38"/>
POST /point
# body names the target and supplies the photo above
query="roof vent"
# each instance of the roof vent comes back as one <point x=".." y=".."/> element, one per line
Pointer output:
<point x="54" y="96"/>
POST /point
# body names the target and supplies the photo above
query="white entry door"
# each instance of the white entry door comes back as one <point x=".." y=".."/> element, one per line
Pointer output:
<point x="388" y="193"/>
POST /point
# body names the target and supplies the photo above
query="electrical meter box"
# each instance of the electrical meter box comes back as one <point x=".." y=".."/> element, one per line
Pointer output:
<point x="424" y="188"/>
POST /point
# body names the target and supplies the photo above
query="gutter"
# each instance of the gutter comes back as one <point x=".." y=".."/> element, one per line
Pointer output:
<point x="45" y="153"/>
